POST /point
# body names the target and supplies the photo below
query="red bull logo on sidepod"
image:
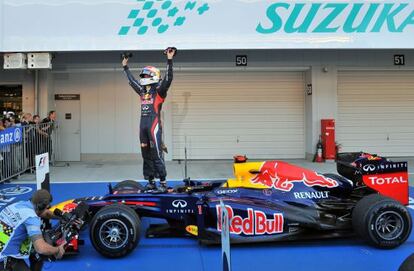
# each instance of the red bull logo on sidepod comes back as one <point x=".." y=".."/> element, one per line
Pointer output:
<point x="282" y="176"/>
<point x="256" y="222"/>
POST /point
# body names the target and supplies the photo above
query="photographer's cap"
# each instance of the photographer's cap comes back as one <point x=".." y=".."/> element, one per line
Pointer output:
<point x="41" y="199"/>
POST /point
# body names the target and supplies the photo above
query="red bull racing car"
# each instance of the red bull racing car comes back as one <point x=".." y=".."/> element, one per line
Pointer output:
<point x="265" y="201"/>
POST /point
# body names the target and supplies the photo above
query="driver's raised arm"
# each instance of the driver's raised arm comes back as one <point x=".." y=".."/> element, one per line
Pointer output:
<point x="134" y="83"/>
<point x="166" y="82"/>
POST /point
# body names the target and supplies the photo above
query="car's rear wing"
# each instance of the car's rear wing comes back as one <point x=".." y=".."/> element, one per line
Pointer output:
<point x="388" y="177"/>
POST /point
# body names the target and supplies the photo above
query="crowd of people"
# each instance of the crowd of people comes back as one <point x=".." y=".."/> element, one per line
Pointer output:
<point x="37" y="139"/>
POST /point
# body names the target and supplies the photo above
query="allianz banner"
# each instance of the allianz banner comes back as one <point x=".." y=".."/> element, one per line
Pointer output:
<point x="68" y="25"/>
<point x="10" y="136"/>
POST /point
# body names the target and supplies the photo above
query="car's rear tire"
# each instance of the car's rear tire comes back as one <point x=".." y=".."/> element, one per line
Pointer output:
<point x="115" y="231"/>
<point x="381" y="221"/>
<point x="128" y="185"/>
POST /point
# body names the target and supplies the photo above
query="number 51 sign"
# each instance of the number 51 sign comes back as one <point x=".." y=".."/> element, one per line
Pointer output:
<point x="399" y="60"/>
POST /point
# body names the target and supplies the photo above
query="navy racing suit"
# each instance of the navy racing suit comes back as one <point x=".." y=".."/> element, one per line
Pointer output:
<point x="152" y="97"/>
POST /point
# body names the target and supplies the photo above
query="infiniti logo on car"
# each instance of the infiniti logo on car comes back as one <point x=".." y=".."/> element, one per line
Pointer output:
<point x="180" y="207"/>
<point x="179" y="203"/>
<point x="369" y="167"/>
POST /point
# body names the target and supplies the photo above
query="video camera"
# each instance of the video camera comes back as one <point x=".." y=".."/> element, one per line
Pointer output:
<point x="126" y="55"/>
<point x="170" y="49"/>
<point x="69" y="225"/>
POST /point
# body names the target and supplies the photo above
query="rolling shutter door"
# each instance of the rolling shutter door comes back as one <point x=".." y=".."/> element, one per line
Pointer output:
<point x="376" y="112"/>
<point x="218" y="115"/>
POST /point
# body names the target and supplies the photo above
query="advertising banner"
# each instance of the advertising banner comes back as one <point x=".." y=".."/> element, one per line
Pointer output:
<point x="68" y="25"/>
<point x="10" y="136"/>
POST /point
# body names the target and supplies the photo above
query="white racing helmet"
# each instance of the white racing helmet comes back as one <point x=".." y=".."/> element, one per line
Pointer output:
<point x="149" y="75"/>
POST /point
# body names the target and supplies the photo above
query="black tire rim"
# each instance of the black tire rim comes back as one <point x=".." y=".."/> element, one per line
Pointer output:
<point x="389" y="225"/>
<point x="113" y="234"/>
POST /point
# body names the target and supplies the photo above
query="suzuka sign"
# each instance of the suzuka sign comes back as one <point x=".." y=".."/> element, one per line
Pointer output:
<point x="205" y="24"/>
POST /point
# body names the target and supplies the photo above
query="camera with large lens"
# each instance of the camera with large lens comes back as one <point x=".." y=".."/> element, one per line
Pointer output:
<point x="170" y="49"/>
<point x="126" y="55"/>
<point x="69" y="225"/>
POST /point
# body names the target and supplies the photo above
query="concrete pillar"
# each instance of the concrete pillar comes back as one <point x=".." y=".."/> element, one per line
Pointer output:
<point x="322" y="104"/>
<point x="308" y="116"/>
<point x="46" y="93"/>
<point x="28" y="92"/>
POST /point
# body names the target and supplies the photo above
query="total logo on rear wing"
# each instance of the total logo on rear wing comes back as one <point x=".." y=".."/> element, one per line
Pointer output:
<point x="388" y="178"/>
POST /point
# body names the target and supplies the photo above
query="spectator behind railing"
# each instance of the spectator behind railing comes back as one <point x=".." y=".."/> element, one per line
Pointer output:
<point x="21" y="145"/>
<point x="27" y="118"/>
<point x="28" y="124"/>
<point x="16" y="149"/>
<point x="5" y="153"/>
<point x="6" y="123"/>
<point x="14" y="121"/>
<point x="48" y="128"/>
<point x="40" y="137"/>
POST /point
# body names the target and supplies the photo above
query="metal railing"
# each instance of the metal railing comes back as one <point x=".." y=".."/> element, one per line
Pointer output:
<point x="20" y="145"/>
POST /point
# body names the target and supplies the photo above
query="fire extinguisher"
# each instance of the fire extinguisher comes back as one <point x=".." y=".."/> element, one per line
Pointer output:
<point x="319" y="150"/>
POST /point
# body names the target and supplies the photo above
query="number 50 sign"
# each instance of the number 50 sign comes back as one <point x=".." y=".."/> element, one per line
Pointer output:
<point x="241" y="60"/>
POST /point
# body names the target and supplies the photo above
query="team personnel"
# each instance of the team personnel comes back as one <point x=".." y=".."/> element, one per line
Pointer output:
<point x="20" y="229"/>
<point x="48" y="129"/>
<point x="152" y="91"/>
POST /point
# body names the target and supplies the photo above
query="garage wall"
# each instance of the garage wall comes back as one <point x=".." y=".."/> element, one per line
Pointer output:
<point x="322" y="104"/>
<point x="324" y="83"/>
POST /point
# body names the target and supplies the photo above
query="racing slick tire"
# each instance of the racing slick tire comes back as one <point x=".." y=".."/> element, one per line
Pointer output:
<point x="381" y="221"/>
<point x="128" y="185"/>
<point x="115" y="231"/>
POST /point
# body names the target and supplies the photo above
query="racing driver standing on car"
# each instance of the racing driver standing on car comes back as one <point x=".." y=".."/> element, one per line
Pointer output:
<point x="152" y="91"/>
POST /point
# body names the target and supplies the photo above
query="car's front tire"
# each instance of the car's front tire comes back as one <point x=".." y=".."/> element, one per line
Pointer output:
<point x="381" y="221"/>
<point x="115" y="231"/>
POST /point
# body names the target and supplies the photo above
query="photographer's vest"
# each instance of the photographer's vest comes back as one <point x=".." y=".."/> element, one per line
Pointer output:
<point x="12" y="218"/>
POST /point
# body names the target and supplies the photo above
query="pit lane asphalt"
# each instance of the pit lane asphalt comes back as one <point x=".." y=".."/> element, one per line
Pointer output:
<point x="77" y="179"/>
<point x="185" y="254"/>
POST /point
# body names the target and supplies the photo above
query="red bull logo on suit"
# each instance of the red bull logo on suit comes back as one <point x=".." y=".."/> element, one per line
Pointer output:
<point x="282" y="176"/>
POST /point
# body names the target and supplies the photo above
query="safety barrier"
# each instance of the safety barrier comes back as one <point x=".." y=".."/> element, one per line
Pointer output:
<point x="19" y="146"/>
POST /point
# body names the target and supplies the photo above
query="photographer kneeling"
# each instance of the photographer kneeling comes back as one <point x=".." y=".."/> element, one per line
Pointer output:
<point x="20" y="228"/>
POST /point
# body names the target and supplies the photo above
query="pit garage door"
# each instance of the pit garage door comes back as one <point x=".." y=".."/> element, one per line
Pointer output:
<point x="376" y="112"/>
<point x="218" y="115"/>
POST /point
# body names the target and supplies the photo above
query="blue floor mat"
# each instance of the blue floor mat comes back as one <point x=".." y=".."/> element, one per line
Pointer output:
<point x="186" y="254"/>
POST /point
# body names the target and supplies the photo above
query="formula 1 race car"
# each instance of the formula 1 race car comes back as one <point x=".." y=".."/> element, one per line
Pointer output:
<point x="265" y="201"/>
